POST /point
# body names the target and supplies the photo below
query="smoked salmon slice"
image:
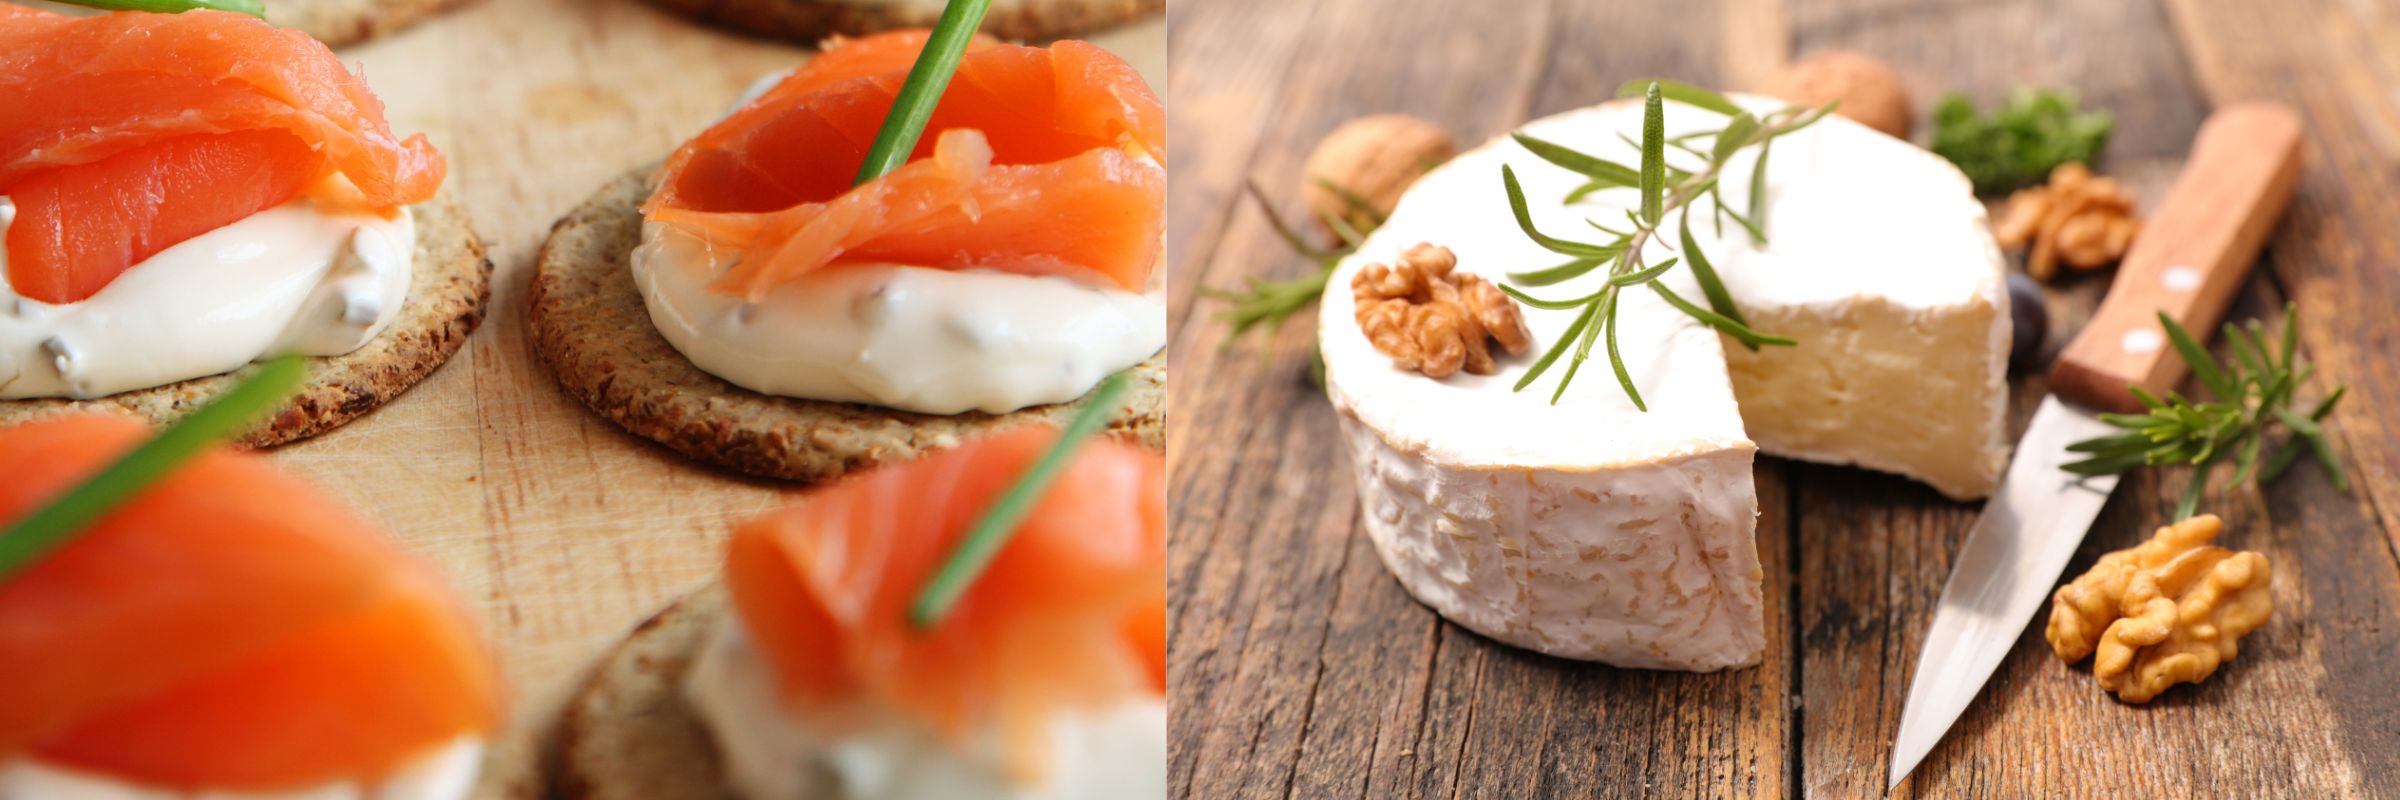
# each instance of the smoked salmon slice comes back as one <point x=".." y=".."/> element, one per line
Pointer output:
<point x="1049" y="165"/>
<point x="103" y="108"/>
<point x="230" y="629"/>
<point x="1070" y="615"/>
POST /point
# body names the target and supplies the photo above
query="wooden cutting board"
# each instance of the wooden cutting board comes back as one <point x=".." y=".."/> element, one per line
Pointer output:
<point x="559" y="529"/>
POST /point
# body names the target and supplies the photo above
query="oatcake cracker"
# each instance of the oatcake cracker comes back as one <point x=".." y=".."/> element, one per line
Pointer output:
<point x="629" y="734"/>
<point x="590" y="325"/>
<point x="446" y="298"/>
<point x="808" y="21"/>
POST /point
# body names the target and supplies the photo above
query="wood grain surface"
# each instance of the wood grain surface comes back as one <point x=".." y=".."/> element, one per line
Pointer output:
<point x="561" y="530"/>
<point x="1299" y="668"/>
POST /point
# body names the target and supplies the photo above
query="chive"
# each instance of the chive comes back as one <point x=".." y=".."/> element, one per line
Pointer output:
<point x="990" y="533"/>
<point x="52" y="525"/>
<point x="253" y="8"/>
<point x="923" y="90"/>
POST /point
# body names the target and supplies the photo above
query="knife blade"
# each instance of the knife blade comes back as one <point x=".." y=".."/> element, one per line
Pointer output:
<point x="2191" y="258"/>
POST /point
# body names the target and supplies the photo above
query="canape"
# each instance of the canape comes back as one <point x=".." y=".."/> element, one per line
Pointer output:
<point x="748" y="305"/>
<point x="184" y="194"/>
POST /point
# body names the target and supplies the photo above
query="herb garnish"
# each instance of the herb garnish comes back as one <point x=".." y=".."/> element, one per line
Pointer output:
<point x="1270" y="302"/>
<point x="72" y="512"/>
<point x="992" y="531"/>
<point x="2020" y="142"/>
<point x="1665" y="189"/>
<point x="2253" y="393"/>
<point x="927" y="79"/>
<point x="254" y="8"/>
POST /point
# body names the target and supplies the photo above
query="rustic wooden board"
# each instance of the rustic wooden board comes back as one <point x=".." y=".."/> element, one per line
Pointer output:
<point x="1298" y="668"/>
<point x="561" y="529"/>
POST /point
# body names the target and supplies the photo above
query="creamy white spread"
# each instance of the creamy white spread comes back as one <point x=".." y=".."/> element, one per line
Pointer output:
<point x="296" y="279"/>
<point x="443" y="773"/>
<point x="866" y="753"/>
<point x="933" y="341"/>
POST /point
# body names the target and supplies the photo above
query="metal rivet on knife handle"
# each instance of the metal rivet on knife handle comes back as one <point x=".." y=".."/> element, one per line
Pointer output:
<point x="2190" y="259"/>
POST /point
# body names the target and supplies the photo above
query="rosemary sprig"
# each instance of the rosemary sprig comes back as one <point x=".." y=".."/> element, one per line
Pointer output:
<point x="1664" y="189"/>
<point x="1000" y="522"/>
<point x="1271" y="302"/>
<point x="70" y="513"/>
<point x="2253" y="394"/>
<point x="927" y="79"/>
<point x="254" y="8"/>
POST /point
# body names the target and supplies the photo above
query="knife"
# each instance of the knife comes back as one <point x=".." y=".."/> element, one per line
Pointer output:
<point x="2191" y="258"/>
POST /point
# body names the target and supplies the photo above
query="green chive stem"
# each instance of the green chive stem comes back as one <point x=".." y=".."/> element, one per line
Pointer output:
<point x="254" y="8"/>
<point x="52" y="525"/>
<point x="992" y="532"/>
<point x="923" y="90"/>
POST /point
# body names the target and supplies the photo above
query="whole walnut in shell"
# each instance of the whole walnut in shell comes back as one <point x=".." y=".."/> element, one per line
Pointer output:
<point x="1374" y="159"/>
<point x="1870" y="90"/>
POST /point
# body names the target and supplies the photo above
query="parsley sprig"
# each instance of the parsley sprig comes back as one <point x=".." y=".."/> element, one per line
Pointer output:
<point x="2254" y="394"/>
<point x="2019" y="142"/>
<point x="1665" y="189"/>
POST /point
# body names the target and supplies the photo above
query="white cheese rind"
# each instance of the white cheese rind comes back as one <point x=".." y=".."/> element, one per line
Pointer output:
<point x="1509" y="514"/>
<point x="1649" y="566"/>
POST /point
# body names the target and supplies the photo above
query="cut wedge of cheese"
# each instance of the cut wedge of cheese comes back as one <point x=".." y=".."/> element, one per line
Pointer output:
<point x="1588" y="529"/>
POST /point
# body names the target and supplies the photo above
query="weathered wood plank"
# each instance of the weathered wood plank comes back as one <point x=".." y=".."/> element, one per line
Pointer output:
<point x="1875" y="551"/>
<point x="1263" y="550"/>
<point x="2335" y="258"/>
<point x="1299" y="668"/>
<point x="2335" y="63"/>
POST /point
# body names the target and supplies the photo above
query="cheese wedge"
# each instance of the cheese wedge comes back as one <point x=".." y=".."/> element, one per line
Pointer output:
<point x="1588" y="529"/>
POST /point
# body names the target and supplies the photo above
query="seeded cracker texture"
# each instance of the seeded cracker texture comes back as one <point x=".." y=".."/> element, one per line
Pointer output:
<point x="590" y="325"/>
<point x="446" y="297"/>
<point x="343" y="22"/>
<point x="629" y="734"/>
<point x="809" y="21"/>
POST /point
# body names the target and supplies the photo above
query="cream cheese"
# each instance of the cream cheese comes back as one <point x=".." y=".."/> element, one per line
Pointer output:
<point x="296" y="279"/>
<point x="443" y="773"/>
<point x="932" y="341"/>
<point x="864" y="753"/>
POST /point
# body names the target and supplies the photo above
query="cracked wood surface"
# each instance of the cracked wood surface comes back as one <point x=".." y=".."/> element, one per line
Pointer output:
<point x="1299" y="668"/>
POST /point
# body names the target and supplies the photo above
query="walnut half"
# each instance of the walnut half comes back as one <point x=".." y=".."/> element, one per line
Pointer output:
<point x="2167" y="611"/>
<point x="2085" y="221"/>
<point x="1433" y="319"/>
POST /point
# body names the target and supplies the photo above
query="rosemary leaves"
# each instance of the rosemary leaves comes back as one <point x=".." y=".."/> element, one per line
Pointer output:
<point x="2254" y="394"/>
<point x="1665" y="190"/>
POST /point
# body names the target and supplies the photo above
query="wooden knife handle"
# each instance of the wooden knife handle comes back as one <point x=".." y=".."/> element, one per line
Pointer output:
<point x="2191" y="257"/>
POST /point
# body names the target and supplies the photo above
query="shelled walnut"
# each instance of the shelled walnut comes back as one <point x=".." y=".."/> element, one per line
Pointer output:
<point x="1432" y="318"/>
<point x="2167" y="611"/>
<point x="2078" y="218"/>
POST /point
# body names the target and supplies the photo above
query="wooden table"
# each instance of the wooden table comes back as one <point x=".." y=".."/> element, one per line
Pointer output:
<point x="1299" y="668"/>
<point x="560" y="528"/>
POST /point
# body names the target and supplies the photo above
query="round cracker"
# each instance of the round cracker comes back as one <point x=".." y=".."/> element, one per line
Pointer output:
<point x="343" y="22"/>
<point x="590" y="325"/>
<point x="811" y="21"/>
<point x="629" y="733"/>
<point x="446" y="297"/>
